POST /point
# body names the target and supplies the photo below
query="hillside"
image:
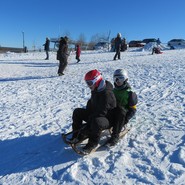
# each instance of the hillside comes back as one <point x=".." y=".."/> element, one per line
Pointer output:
<point x="36" y="107"/>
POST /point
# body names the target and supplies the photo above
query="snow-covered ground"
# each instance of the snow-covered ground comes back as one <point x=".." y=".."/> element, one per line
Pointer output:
<point x="36" y="107"/>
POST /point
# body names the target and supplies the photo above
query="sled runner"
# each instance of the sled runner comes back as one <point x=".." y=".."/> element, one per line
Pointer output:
<point x="77" y="144"/>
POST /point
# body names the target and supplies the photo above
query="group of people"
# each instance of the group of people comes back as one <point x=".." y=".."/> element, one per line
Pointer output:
<point x="108" y="107"/>
<point x="62" y="53"/>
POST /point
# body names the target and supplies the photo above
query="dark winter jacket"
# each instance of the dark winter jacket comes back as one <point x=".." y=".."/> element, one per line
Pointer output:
<point x="156" y="50"/>
<point x="118" y="42"/>
<point x="126" y="99"/>
<point x="62" y="53"/>
<point x="46" y="45"/>
<point x="101" y="101"/>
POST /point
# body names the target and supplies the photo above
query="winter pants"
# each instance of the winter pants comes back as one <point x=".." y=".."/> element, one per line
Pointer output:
<point x="79" y="115"/>
<point x="117" y="54"/>
<point x="62" y="65"/>
<point x="95" y="124"/>
<point x="77" y="58"/>
<point x="47" y="54"/>
<point x="119" y="120"/>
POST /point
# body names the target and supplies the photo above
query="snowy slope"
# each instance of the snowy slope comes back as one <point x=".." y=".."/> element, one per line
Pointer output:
<point x="36" y="106"/>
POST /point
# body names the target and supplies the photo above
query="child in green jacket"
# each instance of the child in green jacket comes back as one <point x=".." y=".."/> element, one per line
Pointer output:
<point x="126" y="103"/>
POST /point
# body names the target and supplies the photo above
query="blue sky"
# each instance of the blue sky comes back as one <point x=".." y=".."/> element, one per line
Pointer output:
<point x="135" y="19"/>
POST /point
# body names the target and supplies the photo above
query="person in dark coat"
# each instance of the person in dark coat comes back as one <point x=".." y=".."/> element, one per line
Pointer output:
<point x="46" y="48"/>
<point x="97" y="113"/>
<point x="113" y="44"/>
<point x="126" y="104"/>
<point x="78" y="52"/>
<point x="158" y="41"/>
<point x="62" y="55"/>
<point x="124" y="45"/>
<point x="118" y="43"/>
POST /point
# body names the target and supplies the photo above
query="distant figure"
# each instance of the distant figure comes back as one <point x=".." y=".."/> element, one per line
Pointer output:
<point x="78" y="52"/>
<point x="156" y="50"/>
<point x="118" y="43"/>
<point x="46" y="48"/>
<point x="62" y="55"/>
<point x="25" y="49"/>
<point x="124" y="45"/>
<point x="158" y="41"/>
<point x="113" y="45"/>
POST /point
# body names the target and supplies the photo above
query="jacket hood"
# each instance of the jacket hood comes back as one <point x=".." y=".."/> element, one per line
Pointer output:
<point x="109" y="86"/>
<point x="104" y="84"/>
<point x="101" y="86"/>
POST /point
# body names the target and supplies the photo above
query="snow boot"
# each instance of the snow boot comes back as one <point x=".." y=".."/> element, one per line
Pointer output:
<point x="89" y="147"/>
<point x="60" y="74"/>
<point x="113" y="141"/>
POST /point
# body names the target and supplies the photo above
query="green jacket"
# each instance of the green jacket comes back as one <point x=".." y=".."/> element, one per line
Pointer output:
<point x="122" y="97"/>
<point x="126" y="99"/>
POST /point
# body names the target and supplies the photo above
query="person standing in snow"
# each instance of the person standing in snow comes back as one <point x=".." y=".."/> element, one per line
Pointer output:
<point x="118" y="42"/>
<point x="158" y="41"/>
<point x="124" y="45"/>
<point x="78" y="52"/>
<point x="46" y="48"/>
<point x="62" y="55"/>
<point x="97" y="113"/>
<point x="126" y="104"/>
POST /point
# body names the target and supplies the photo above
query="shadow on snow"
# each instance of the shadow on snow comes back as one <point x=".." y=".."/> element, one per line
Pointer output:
<point x="28" y="153"/>
<point x="25" y="78"/>
<point x="28" y="64"/>
<point x="32" y="64"/>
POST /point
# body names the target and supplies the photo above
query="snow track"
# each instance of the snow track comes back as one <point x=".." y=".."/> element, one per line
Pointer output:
<point x="36" y="106"/>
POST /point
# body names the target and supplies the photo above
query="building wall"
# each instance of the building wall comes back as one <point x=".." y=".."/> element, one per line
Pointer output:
<point x="15" y="50"/>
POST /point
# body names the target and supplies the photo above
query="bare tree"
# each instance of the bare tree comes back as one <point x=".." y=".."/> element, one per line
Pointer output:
<point x="81" y="40"/>
<point x="68" y="34"/>
<point x="99" y="38"/>
<point x="103" y="37"/>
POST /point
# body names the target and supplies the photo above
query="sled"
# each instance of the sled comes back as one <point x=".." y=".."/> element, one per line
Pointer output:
<point x="77" y="145"/>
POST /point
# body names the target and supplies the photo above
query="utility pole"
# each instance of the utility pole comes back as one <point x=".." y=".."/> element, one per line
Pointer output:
<point x="23" y="39"/>
<point x="108" y="38"/>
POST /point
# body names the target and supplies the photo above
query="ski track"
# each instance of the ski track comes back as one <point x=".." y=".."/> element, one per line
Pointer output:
<point x="36" y="106"/>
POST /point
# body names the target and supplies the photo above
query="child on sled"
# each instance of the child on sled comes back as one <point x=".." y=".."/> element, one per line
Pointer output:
<point x="126" y="104"/>
<point x="98" y="110"/>
<point x="106" y="108"/>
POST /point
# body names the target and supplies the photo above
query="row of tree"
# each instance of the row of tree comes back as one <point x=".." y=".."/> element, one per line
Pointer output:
<point x="82" y="41"/>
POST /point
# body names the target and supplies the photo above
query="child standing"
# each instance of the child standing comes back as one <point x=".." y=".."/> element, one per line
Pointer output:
<point x="78" y="52"/>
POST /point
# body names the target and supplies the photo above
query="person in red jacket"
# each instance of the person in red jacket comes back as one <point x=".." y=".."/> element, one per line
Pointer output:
<point x="78" y="52"/>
